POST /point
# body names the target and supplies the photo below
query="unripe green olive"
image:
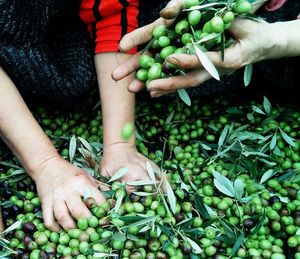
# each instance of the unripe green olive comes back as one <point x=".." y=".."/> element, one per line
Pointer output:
<point x="242" y="7"/>
<point x="217" y="24"/>
<point x="190" y="3"/>
<point x="182" y="27"/>
<point x="155" y="71"/>
<point x="194" y="17"/>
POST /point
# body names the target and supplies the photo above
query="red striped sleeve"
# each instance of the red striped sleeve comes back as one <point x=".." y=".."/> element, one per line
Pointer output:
<point x="274" y="5"/>
<point x="109" y="20"/>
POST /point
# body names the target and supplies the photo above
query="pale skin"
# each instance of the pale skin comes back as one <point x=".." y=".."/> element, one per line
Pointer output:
<point x="60" y="184"/>
<point x="255" y="41"/>
<point x="117" y="109"/>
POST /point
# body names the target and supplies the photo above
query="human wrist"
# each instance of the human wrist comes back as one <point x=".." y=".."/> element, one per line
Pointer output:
<point x="121" y="145"/>
<point x="275" y="44"/>
<point x="35" y="168"/>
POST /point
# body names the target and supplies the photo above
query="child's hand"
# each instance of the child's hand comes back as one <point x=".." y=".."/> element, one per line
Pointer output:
<point x="61" y="187"/>
<point x="125" y="155"/>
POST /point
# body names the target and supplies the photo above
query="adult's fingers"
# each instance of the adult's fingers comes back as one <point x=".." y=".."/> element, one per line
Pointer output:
<point x="126" y="68"/>
<point x="136" y="86"/>
<point x="63" y="216"/>
<point x="233" y="59"/>
<point x="185" y="61"/>
<point x="172" y="9"/>
<point x="191" y="79"/>
<point x="48" y="217"/>
<point x="191" y="61"/>
<point x="97" y="195"/>
<point x="156" y="94"/>
<point x="140" y="35"/>
<point x="77" y="208"/>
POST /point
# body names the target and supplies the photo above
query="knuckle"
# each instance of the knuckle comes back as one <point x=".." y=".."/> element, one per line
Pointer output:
<point x="61" y="216"/>
<point x="171" y="84"/>
<point x="48" y="223"/>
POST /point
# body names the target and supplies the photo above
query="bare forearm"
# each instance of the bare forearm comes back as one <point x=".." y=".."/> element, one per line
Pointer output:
<point x="116" y="101"/>
<point x="290" y="30"/>
<point x="19" y="129"/>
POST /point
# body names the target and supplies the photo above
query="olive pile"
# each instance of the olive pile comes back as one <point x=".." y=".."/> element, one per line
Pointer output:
<point x="222" y="205"/>
<point x="199" y="26"/>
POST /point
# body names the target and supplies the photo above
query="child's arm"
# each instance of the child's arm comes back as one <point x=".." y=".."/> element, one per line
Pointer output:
<point x="60" y="184"/>
<point x="117" y="109"/>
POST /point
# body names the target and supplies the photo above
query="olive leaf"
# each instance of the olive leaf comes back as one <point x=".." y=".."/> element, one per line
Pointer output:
<point x="239" y="189"/>
<point x="150" y="171"/>
<point x="171" y="196"/>
<point x="288" y="175"/>
<point x="143" y="222"/>
<point x="206" y="62"/>
<point x="104" y="255"/>
<point x="72" y="148"/>
<point x="119" y="202"/>
<point x="119" y="174"/>
<point x="184" y="96"/>
<point x="248" y="74"/>
<point x="6" y="254"/>
<point x="5" y="163"/>
<point x="223" y="184"/>
<point x="227" y="229"/>
<point x="118" y="236"/>
<point x="287" y="138"/>
<point x="170" y="117"/>
<point x="267" y="105"/>
<point x="208" y="37"/>
<point x="141" y="183"/>
<point x="205" y="146"/>
<point x="194" y="245"/>
<point x="239" y="241"/>
<point x="204" y="6"/>
<point x="273" y="142"/>
<point x="223" y="136"/>
<point x="12" y="227"/>
<point x="132" y="237"/>
<point x="85" y="144"/>
<point x="266" y="176"/>
<point x="200" y="206"/>
<point x="259" y="224"/>
<point x="145" y="194"/>
<point x="258" y="110"/>
<point x="246" y="199"/>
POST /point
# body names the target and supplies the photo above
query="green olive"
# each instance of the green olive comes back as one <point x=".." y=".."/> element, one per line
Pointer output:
<point x="194" y="17"/>
<point x="242" y="7"/>
<point x="217" y="24"/>
<point x="155" y="71"/>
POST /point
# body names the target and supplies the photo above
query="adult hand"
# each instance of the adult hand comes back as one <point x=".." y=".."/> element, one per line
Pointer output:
<point x="255" y="41"/>
<point x="61" y="187"/>
<point x="141" y="36"/>
<point x="121" y="155"/>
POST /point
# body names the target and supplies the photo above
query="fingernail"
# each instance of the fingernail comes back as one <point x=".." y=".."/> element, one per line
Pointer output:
<point x="116" y="74"/>
<point x="172" y="60"/>
<point x="171" y="4"/>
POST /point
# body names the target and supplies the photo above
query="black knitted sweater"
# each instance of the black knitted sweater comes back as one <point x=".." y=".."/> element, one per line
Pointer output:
<point x="45" y="50"/>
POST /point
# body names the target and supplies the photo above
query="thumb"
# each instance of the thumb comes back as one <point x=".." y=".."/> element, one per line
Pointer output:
<point x="172" y="9"/>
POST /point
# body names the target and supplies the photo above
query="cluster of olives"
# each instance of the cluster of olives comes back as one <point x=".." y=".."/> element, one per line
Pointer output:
<point x="269" y="220"/>
<point x="205" y="26"/>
